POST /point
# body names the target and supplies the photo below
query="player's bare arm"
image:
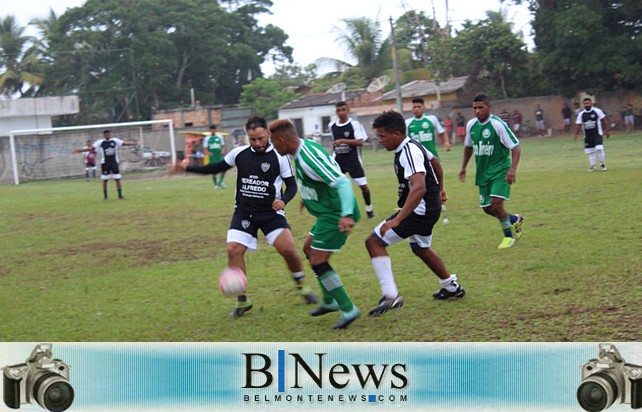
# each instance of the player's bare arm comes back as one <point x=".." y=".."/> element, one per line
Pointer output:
<point x="511" y="175"/>
<point x="439" y="172"/>
<point x="468" y="153"/>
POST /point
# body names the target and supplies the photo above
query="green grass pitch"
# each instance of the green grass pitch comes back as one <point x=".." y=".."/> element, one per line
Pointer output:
<point x="76" y="268"/>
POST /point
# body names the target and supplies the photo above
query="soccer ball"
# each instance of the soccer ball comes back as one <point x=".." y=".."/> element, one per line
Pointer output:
<point x="232" y="282"/>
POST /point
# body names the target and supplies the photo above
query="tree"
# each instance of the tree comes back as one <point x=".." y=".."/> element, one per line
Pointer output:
<point x="19" y="64"/>
<point x="590" y="45"/>
<point x="265" y="97"/>
<point x="120" y="54"/>
<point x="493" y="55"/>
<point x="363" y="42"/>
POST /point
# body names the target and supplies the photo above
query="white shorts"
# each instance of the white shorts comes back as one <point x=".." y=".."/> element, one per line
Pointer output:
<point x="590" y="150"/>
<point x="250" y="241"/>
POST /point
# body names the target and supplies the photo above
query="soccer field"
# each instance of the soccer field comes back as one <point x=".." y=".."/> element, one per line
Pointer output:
<point x="76" y="268"/>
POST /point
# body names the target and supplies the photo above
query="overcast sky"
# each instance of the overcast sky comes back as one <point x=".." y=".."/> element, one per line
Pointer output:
<point x="312" y="25"/>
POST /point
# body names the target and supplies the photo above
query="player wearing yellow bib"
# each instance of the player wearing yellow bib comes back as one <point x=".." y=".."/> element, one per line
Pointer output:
<point x="425" y="128"/>
<point x="492" y="141"/>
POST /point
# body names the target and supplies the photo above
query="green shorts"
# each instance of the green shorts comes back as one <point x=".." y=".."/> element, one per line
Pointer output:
<point x="326" y="235"/>
<point x="494" y="188"/>
<point x="215" y="158"/>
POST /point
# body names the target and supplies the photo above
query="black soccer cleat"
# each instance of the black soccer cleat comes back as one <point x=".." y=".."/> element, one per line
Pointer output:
<point x="443" y="293"/>
<point x="386" y="304"/>
<point x="240" y="309"/>
<point x="308" y="296"/>
<point x="371" y="215"/>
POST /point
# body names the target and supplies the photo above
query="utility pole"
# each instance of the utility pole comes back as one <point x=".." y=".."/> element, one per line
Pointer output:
<point x="395" y="62"/>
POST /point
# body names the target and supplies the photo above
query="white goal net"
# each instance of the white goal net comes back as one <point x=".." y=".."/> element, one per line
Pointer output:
<point x="41" y="154"/>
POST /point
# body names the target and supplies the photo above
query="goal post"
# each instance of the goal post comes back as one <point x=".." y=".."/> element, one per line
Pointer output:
<point x="39" y="154"/>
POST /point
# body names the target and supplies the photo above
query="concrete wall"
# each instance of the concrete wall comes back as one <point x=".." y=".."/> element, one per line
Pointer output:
<point x="36" y="113"/>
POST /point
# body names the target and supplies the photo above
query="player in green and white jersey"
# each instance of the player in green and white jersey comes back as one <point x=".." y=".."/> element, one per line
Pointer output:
<point x="425" y="128"/>
<point x="327" y="195"/>
<point x="497" y="155"/>
<point x="215" y="146"/>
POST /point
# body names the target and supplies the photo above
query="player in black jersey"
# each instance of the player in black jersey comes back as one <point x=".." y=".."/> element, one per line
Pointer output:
<point x="260" y="204"/>
<point x="421" y="193"/>
<point x="110" y="167"/>
<point x="593" y="121"/>
<point x="348" y="136"/>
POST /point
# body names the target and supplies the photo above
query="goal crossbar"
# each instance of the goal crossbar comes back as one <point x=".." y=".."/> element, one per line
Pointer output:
<point x="14" y="133"/>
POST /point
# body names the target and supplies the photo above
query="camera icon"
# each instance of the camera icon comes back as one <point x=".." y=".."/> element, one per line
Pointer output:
<point x="609" y="379"/>
<point x="41" y="379"/>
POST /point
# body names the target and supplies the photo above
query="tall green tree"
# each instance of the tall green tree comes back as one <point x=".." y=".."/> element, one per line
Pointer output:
<point x="590" y="45"/>
<point x="20" y="68"/>
<point x="152" y="53"/>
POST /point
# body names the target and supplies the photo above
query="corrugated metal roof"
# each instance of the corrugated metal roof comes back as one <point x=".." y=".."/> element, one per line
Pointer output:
<point x="322" y="99"/>
<point x="418" y="88"/>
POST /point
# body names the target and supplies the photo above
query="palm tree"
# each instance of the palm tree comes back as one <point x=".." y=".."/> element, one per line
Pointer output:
<point x="363" y="42"/>
<point x="21" y="68"/>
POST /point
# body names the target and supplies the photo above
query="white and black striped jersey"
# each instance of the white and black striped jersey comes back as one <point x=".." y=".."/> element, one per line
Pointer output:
<point x="108" y="149"/>
<point x="411" y="158"/>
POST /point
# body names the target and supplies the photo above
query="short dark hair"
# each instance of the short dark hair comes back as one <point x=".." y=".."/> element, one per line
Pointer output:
<point x="390" y="121"/>
<point x="418" y="100"/>
<point x="341" y="103"/>
<point x="587" y="98"/>
<point x="282" y="126"/>
<point x="255" y="122"/>
<point x="482" y="98"/>
<point x="213" y="126"/>
<point x="106" y="131"/>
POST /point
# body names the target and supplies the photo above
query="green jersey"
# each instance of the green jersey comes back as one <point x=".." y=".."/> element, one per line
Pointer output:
<point x="492" y="142"/>
<point x="214" y="144"/>
<point x="317" y="177"/>
<point x="425" y="131"/>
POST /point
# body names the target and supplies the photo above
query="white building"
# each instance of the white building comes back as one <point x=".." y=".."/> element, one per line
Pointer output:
<point x="34" y="113"/>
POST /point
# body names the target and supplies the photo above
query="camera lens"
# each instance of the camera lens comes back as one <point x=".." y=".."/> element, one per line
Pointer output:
<point x="597" y="392"/>
<point x="53" y="392"/>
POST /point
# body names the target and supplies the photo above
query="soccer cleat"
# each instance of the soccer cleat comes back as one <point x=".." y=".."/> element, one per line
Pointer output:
<point x="215" y="187"/>
<point x="517" y="227"/>
<point x="309" y="296"/>
<point x="443" y="293"/>
<point x="347" y="318"/>
<point x="325" y="308"/>
<point x="592" y="169"/>
<point x="386" y="304"/>
<point x="507" y="242"/>
<point x="223" y="186"/>
<point x="370" y="215"/>
<point x="240" y="309"/>
<point x="121" y="197"/>
<point x="603" y="167"/>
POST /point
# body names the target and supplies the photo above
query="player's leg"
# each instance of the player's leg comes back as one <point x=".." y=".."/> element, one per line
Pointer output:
<point x="492" y="197"/>
<point x="104" y="176"/>
<point x="359" y="178"/>
<point x="590" y="151"/>
<point x="325" y="239"/>
<point x="241" y="235"/>
<point x="283" y="241"/>
<point x="115" y="170"/>
<point x="376" y="245"/>
<point x="450" y="288"/>
<point x="601" y="156"/>
<point x="220" y="181"/>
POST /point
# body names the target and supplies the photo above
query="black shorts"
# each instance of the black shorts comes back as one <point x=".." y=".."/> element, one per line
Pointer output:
<point x="251" y="223"/>
<point x="352" y="167"/>
<point x="592" y="141"/>
<point x="417" y="224"/>
<point x="110" y="169"/>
